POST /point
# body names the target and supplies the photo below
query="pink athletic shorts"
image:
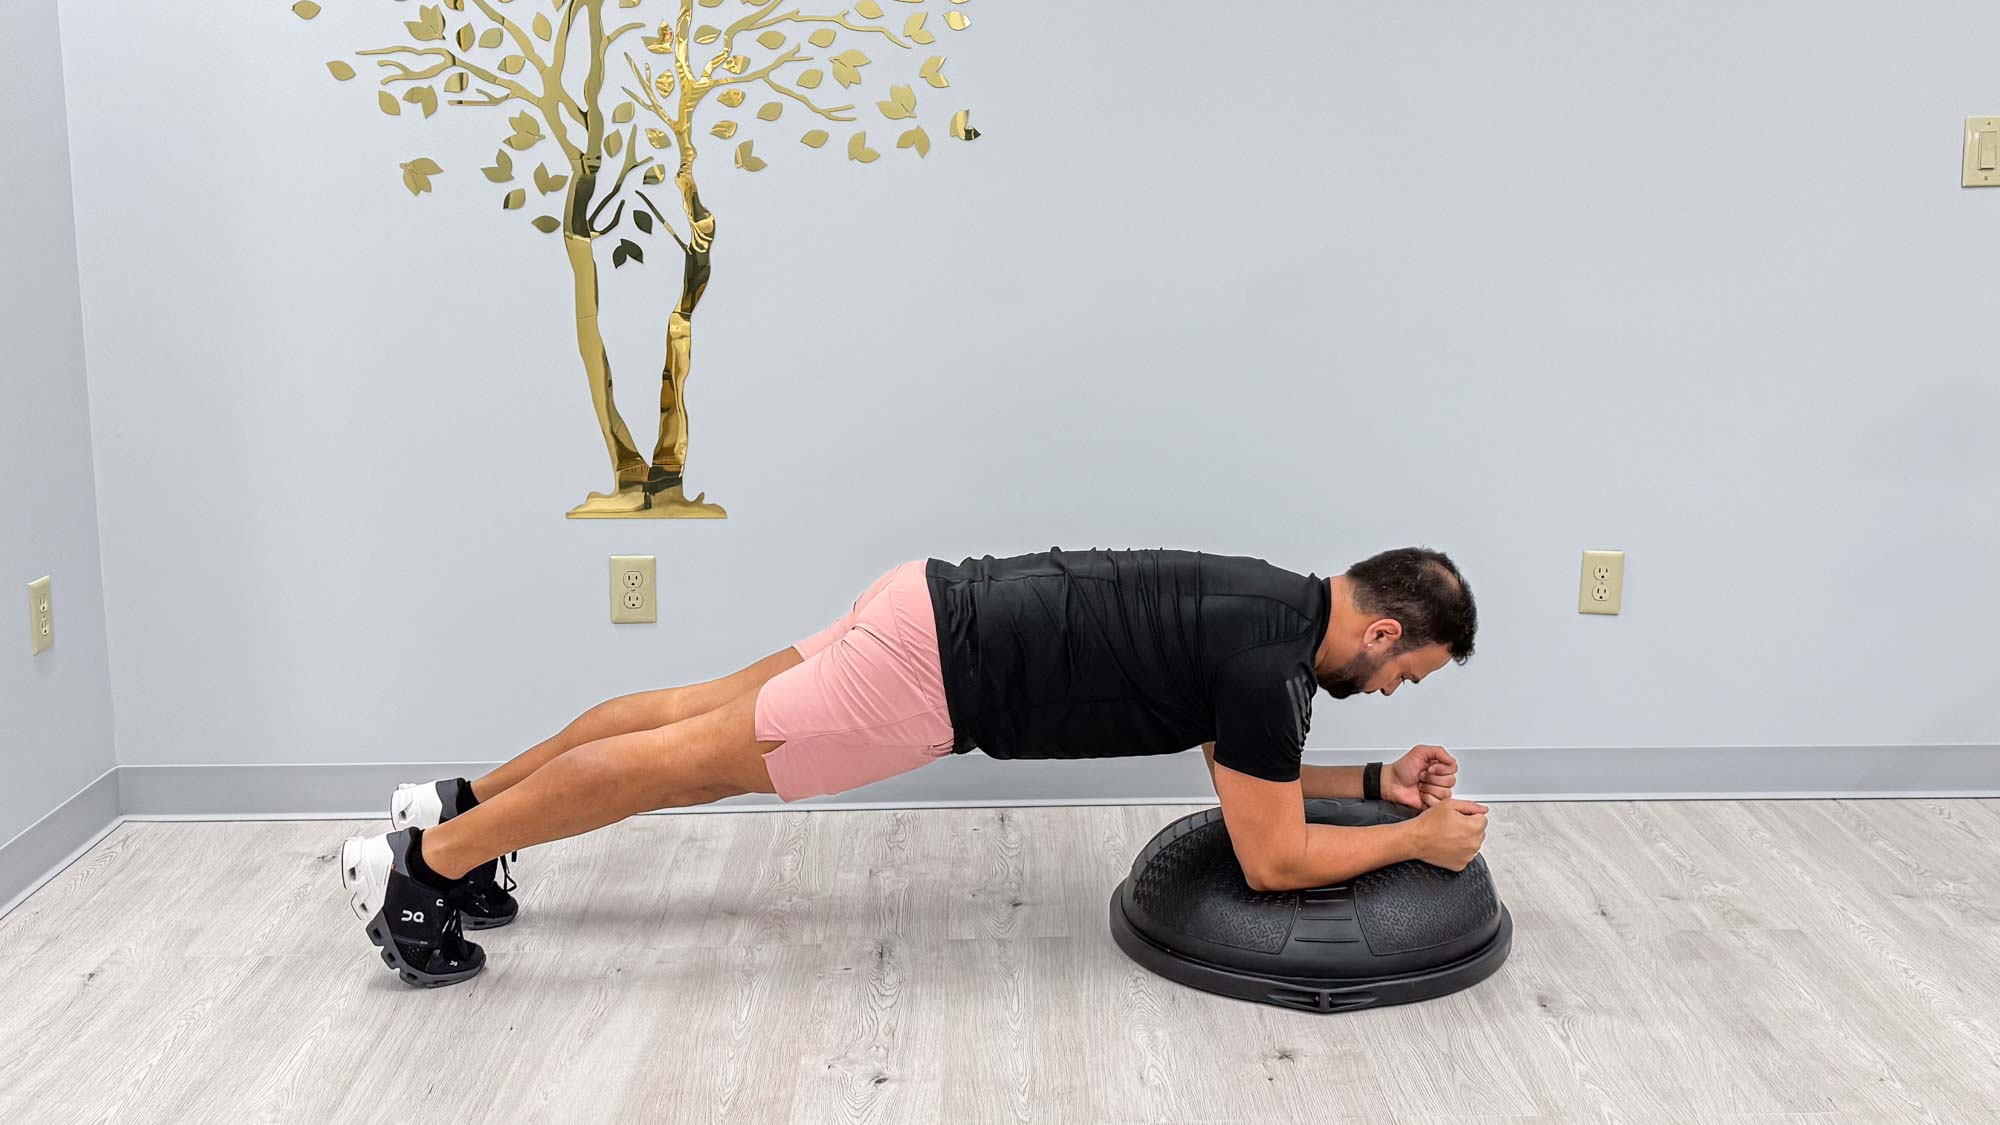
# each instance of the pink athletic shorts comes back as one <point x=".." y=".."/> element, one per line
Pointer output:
<point x="868" y="702"/>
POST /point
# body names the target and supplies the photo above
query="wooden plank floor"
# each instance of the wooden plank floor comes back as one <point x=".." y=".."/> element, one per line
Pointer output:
<point x="1823" y="961"/>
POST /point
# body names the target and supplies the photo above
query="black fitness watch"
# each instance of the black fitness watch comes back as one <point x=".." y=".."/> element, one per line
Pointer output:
<point x="1371" y="781"/>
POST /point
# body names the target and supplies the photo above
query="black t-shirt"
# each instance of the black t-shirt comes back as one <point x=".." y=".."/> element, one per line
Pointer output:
<point x="1097" y="654"/>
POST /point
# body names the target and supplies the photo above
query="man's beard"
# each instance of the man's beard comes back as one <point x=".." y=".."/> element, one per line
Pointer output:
<point x="1352" y="677"/>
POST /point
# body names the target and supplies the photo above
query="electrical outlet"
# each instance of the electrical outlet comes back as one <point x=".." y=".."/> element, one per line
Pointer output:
<point x="633" y="596"/>
<point x="1602" y="589"/>
<point x="41" y="615"/>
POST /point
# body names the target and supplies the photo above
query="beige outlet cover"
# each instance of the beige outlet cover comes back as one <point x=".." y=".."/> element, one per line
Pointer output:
<point x="1982" y="152"/>
<point x="1602" y="586"/>
<point x="633" y="575"/>
<point x="41" y="615"/>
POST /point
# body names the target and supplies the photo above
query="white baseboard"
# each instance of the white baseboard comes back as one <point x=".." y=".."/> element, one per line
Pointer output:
<point x="349" y="790"/>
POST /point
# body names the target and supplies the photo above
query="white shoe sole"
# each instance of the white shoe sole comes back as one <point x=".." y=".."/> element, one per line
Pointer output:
<point x="365" y="863"/>
<point x="415" y="806"/>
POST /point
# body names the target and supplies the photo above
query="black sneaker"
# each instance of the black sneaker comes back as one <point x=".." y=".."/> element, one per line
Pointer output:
<point x="485" y="900"/>
<point x="416" y="926"/>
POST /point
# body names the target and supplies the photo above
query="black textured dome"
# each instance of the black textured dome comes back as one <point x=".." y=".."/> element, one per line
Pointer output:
<point x="1407" y="932"/>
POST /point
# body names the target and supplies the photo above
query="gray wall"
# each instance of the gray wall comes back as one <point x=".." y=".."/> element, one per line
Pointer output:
<point x="55" y="708"/>
<point x="1293" y="280"/>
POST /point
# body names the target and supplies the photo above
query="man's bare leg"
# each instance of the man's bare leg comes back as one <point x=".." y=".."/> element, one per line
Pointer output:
<point x="701" y="758"/>
<point x="627" y="714"/>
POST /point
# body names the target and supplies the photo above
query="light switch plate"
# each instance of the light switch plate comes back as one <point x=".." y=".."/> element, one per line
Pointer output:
<point x="1982" y="152"/>
<point x="634" y="594"/>
<point x="1602" y="588"/>
<point x="41" y="615"/>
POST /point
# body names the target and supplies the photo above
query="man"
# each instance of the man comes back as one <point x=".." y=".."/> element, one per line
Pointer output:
<point x="1052" y="655"/>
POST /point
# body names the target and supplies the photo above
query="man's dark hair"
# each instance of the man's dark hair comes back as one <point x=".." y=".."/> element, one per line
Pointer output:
<point x="1424" y="592"/>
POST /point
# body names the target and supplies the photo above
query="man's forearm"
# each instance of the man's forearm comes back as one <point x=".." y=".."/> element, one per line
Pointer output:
<point x="1335" y="853"/>
<point x="1330" y="781"/>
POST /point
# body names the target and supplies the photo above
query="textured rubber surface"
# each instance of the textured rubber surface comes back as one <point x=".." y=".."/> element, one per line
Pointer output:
<point x="1407" y="932"/>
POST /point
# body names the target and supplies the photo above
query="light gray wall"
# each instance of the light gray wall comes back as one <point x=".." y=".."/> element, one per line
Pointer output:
<point x="1293" y="280"/>
<point x="55" y="708"/>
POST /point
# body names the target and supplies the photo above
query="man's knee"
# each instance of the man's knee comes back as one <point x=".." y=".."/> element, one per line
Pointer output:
<point x="623" y="715"/>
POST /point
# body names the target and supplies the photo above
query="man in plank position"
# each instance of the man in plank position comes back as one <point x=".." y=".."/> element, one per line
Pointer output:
<point x="1052" y="655"/>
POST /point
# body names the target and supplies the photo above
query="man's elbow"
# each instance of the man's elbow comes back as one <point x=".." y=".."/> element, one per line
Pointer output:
<point x="1269" y="877"/>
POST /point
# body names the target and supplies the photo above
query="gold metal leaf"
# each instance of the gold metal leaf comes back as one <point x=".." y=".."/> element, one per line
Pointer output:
<point x="527" y="131"/>
<point x="428" y="26"/>
<point x="916" y="138"/>
<point x="614" y="144"/>
<point x="905" y="97"/>
<point x="821" y="38"/>
<point x="417" y="174"/>
<point x="512" y="64"/>
<point x="455" y="5"/>
<point x="771" y="40"/>
<point x="914" y="28"/>
<point x="656" y="174"/>
<point x="736" y="64"/>
<point x="961" y="126"/>
<point x="664" y="85"/>
<point x="858" y="150"/>
<point x="730" y="98"/>
<point x="340" y="70"/>
<point x="547" y="224"/>
<point x="868" y="10"/>
<point x="769" y="111"/>
<point x="746" y="160"/>
<point x="912" y="1"/>
<point x="711" y="3"/>
<point x="707" y="33"/>
<point x="628" y="3"/>
<point x="814" y="139"/>
<point x="543" y="30"/>
<point x="547" y="181"/>
<point x="502" y="170"/>
<point x="724" y="129"/>
<point x="847" y="67"/>
<point x="466" y="38"/>
<point x="514" y="200"/>
<point x="305" y="9"/>
<point x="455" y="84"/>
<point x="657" y="138"/>
<point x="491" y="37"/>
<point x="933" y="72"/>
<point x="956" y="21"/>
<point x="387" y="101"/>
<point x="424" y="98"/>
<point x="623" y="113"/>
<point x="810" y="79"/>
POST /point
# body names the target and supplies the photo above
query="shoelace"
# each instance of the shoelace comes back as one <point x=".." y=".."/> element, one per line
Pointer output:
<point x="507" y="872"/>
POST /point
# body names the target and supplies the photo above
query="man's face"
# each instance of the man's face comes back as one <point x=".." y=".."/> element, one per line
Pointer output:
<point x="1384" y="674"/>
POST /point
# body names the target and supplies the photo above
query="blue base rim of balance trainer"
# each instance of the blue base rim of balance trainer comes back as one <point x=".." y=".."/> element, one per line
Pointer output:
<point x="1307" y="993"/>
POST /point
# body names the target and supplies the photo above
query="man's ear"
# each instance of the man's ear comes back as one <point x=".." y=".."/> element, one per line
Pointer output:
<point x="1386" y="631"/>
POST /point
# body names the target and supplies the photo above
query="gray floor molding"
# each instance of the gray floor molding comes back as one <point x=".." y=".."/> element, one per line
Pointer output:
<point x="1568" y="774"/>
<point x="284" y="791"/>
<point x="54" y="842"/>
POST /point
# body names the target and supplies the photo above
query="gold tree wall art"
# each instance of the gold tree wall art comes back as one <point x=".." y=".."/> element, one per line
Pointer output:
<point x="595" y="112"/>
